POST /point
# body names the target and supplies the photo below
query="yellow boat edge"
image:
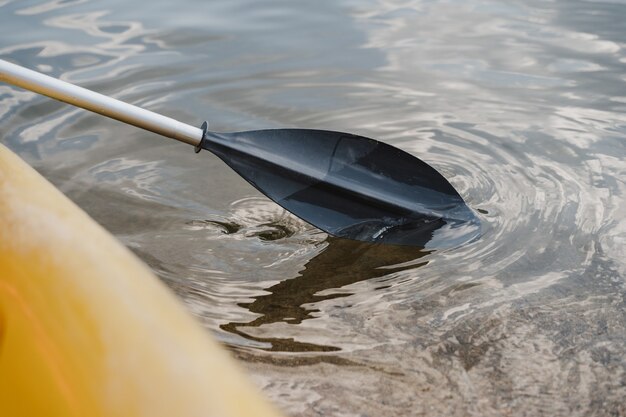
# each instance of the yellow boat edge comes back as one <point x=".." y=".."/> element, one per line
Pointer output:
<point x="87" y="330"/>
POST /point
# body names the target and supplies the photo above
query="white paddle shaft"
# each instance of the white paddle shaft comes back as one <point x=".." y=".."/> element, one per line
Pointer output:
<point x="98" y="103"/>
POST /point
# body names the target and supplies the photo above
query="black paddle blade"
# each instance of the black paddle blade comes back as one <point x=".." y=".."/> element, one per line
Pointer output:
<point x="349" y="186"/>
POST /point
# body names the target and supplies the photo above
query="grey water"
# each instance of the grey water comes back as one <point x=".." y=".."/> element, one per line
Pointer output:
<point x="521" y="105"/>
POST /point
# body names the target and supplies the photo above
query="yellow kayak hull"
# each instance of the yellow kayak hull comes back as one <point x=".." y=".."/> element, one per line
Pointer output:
<point x="87" y="330"/>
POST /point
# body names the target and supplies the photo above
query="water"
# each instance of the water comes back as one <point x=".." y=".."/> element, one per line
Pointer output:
<point x="520" y="105"/>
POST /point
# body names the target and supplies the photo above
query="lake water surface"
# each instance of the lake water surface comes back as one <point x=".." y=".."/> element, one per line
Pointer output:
<point x="520" y="104"/>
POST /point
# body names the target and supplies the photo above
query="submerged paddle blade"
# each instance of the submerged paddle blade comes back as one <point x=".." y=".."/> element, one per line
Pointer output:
<point x="349" y="186"/>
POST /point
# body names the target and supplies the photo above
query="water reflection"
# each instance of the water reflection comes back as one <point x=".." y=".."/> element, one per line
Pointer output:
<point x="521" y="105"/>
<point x="341" y="263"/>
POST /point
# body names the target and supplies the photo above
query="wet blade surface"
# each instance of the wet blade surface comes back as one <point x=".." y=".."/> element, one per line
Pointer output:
<point x="349" y="186"/>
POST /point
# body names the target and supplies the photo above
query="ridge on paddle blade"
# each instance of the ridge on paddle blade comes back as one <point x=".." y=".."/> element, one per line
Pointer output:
<point x="349" y="186"/>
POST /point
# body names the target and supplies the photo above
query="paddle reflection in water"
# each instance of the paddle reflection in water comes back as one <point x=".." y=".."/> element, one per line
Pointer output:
<point x="342" y="263"/>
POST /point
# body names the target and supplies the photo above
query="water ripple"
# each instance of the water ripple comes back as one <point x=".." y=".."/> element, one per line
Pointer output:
<point x="521" y="105"/>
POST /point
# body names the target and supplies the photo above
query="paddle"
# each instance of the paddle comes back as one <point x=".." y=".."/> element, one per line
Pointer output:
<point x="349" y="186"/>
